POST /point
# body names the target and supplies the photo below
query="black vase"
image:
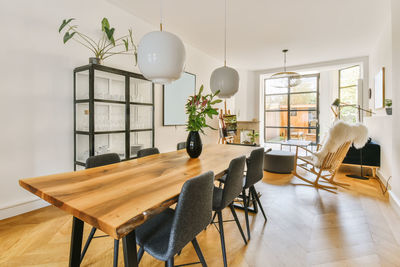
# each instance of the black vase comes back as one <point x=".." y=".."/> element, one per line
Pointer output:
<point x="194" y="145"/>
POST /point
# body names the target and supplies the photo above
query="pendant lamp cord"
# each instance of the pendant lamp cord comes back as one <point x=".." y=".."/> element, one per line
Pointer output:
<point x="161" y="14"/>
<point x="225" y="37"/>
<point x="284" y="60"/>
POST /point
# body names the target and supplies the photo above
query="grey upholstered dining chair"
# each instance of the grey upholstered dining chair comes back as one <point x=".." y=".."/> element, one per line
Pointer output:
<point x="181" y="145"/>
<point x="253" y="175"/>
<point x="147" y="152"/>
<point x="92" y="162"/>
<point x="170" y="231"/>
<point x="224" y="197"/>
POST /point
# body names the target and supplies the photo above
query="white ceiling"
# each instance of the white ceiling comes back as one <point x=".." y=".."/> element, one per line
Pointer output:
<point x="313" y="30"/>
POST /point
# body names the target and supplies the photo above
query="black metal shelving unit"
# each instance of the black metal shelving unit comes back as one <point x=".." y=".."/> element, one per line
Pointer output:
<point x="90" y="83"/>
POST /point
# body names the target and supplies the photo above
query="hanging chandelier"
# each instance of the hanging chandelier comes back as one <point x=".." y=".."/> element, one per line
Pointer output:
<point x="225" y="79"/>
<point x="286" y="79"/>
<point x="161" y="55"/>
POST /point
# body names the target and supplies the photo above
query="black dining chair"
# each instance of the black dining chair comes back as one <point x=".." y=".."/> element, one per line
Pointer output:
<point x="181" y="145"/>
<point x="93" y="162"/>
<point x="253" y="175"/>
<point x="224" y="197"/>
<point x="169" y="232"/>
<point x="147" y="152"/>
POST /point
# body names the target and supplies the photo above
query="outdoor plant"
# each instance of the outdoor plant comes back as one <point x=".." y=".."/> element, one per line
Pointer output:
<point x="198" y="108"/>
<point x="388" y="102"/>
<point x="253" y="137"/>
<point x="108" y="45"/>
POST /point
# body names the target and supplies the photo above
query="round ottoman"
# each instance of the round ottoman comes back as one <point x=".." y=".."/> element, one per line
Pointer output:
<point x="279" y="161"/>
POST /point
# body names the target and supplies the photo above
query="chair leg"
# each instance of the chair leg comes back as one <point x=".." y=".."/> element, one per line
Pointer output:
<point x="221" y="233"/>
<point x="170" y="262"/>
<point x="140" y="254"/>
<point x="92" y="232"/>
<point x="237" y="222"/>
<point x="199" y="253"/>
<point x="254" y="202"/>
<point x="116" y="250"/>
<point x="246" y="212"/>
<point x="255" y="195"/>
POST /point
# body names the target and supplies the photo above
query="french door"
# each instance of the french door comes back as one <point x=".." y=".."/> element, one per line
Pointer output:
<point x="291" y="112"/>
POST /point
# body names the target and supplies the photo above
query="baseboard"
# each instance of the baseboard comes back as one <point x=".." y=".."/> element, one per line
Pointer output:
<point x="23" y="207"/>
<point x="394" y="202"/>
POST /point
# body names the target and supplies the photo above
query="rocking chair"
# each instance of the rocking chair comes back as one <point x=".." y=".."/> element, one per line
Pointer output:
<point x="327" y="169"/>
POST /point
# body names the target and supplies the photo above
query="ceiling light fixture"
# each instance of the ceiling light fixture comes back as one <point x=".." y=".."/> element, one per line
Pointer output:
<point x="224" y="79"/>
<point x="161" y="55"/>
<point x="286" y="79"/>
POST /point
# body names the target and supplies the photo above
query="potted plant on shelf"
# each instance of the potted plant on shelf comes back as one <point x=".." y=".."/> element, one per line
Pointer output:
<point x="105" y="47"/>
<point x="198" y="108"/>
<point x="388" y="104"/>
<point x="253" y="135"/>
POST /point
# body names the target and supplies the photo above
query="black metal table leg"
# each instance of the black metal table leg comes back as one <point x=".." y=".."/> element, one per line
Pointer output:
<point x="130" y="253"/>
<point x="76" y="243"/>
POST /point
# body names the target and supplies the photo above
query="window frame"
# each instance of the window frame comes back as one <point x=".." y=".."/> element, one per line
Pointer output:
<point x="358" y="118"/>
<point x="289" y="110"/>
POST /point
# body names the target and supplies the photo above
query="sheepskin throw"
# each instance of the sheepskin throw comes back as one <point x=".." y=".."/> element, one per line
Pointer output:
<point x="340" y="133"/>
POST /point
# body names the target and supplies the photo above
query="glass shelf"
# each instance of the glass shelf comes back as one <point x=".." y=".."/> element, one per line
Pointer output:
<point x="82" y="148"/>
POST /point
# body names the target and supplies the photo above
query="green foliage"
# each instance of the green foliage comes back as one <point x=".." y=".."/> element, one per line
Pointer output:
<point x="107" y="46"/>
<point x="388" y="102"/>
<point x="253" y="136"/>
<point x="198" y="108"/>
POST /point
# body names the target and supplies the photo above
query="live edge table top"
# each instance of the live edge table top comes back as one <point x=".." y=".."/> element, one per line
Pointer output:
<point x="119" y="197"/>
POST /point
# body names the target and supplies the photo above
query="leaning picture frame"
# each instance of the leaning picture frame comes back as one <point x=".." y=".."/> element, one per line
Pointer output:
<point x="379" y="90"/>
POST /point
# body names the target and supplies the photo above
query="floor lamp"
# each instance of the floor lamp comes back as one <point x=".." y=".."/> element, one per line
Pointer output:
<point x="336" y="105"/>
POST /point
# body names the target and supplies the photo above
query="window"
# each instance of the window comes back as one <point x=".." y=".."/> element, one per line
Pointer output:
<point x="291" y="113"/>
<point x="348" y="93"/>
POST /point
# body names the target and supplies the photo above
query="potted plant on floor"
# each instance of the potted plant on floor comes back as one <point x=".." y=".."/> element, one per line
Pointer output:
<point x="198" y="108"/>
<point x="388" y="104"/>
<point x="103" y="48"/>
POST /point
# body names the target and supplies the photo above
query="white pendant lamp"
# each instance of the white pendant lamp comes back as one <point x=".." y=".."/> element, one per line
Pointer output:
<point x="161" y="55"/>
<point x="225" y="79"/>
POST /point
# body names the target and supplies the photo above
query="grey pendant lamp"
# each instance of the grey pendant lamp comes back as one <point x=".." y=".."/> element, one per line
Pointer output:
<point x="225" y="79"/>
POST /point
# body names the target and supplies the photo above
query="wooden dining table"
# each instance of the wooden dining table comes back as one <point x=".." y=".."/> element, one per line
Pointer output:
<point x="119" y="197"/>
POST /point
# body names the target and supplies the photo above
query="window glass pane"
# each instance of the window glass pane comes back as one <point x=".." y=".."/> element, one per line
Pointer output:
<point x="276" y="102"/>
<point x="141" y="117"/>
<point x="141" y="91"/>
<point x="349" y="95"/>
<point x="349" y="76"/>
<point x="303" y="101"/>
<point x="303" y="134"/>
<point x="110" y="143"/>
<point x="270" y="86"/>
<point x="140" y="140"/>
<point x="109" y="86"/>
<point x="82" y="147"/>
<point x="109" y="117"/>
<point x="303" y="118"/>
<point x="276" y="118"/>
<point x="307" y="84"/>
<point x="349" y="114"/>
<point x="275" y="134"/>
<point x="82" y="85"/>
<point x="82" y="117"/>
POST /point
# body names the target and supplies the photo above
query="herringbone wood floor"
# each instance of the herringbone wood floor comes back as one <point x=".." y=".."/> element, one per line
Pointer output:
<point x="306" y="227"/>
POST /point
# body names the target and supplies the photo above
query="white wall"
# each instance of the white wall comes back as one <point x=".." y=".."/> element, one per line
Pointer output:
<point x="396" y="96"/>
<point x="381" y="56"/>
<point x="36" y="110"/>
<point x="246" y="99"/>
